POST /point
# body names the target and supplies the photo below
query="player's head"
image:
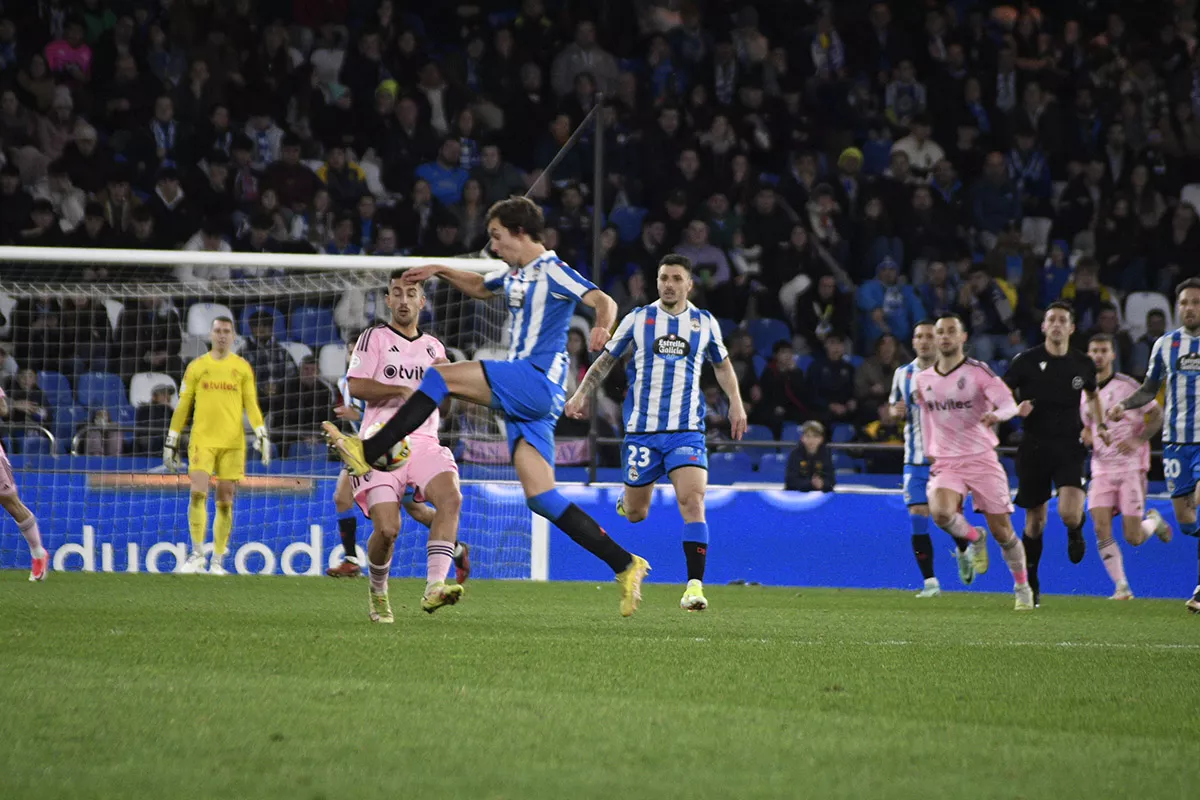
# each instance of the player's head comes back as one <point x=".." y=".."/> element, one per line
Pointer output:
<point x="1101" y="352"/>
<point x="674" y="279"/>
<point x="923" y="341"/>
<point x="221" y="334"/>
<point x="1058" y="323"/>
<point x="950" y="335"/>
<point x="405" y="300"/>
<point x="1187" y="298"/>
<point x="514" y="224"/>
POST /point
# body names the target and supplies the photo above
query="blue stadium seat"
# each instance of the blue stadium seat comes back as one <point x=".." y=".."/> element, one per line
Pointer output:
<point x="842" y="462"/>
<point x="757" y="433"/>
<point x="728" y="327"/>
<point x="249" y="311"/>
<point x="760" y="365"/>
<point x="34" y="444"/>
<point x="842" y="432"/>
<point x="726" y="468"/>
<point x="628" y="220"/>
<point x="773" y="468"/>
<point x="766" y="332"/>
<point x="308" y="451"/>
<point x="313" y="326"/>
<point x="101" y="390"/>
<point x="67" y="420"/>
<point x="57" y="389"/>
<point x="804" y="362"/>
<point x="790" y="432"/>
<point x="855" y="361"/>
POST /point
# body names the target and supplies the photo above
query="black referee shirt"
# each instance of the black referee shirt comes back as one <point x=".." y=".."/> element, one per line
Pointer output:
<point x="1054" y="384"/>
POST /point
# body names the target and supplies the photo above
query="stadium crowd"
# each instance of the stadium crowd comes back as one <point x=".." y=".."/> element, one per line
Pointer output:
<point x="835" y="171"/>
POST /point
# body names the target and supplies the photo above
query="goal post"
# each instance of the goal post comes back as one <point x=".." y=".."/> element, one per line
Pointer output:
<point x="107" y="356"/>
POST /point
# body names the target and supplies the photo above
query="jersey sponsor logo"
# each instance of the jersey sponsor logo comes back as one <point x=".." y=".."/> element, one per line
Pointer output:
<point x="948" y="405"/>
<point x="1189" y="363"/>
<point x="218" y="386"/>
<point x="516" y="295"/>
<point x="1077" y="383"/>
<point x="391" y="372"/>
<point x="693" y="453"/>
<point x="672" y="347"/>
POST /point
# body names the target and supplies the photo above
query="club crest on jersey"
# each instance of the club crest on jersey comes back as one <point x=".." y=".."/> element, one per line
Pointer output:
<point x="695" y="325"/>
<point x="1188" y="363"/>
<point x="962" y="384"/>
<point x="632" y="474"/>
<point x="672" y="347"/>
<point x="1042" y="364"/>
<point x="1077" y="383"/>
<point x="432" y="353"/>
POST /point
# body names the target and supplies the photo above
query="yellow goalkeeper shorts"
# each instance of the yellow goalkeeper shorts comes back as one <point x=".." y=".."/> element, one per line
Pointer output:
<point x="224" y="463"/>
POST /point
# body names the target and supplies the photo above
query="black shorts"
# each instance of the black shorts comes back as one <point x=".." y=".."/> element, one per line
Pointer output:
<point x="1045" y="463"/>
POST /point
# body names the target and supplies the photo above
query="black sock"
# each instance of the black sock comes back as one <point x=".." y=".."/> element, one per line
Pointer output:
<point x="1033" y="554"/>
<point x="1076" y="532"/>
<point x="407" y="419"/>
<point x="347" y="527"/>
<point x="961" y="544"/>
<point x="696" y="554"/>
<point x="588" y="534"/>
<point x="922" y="546"/>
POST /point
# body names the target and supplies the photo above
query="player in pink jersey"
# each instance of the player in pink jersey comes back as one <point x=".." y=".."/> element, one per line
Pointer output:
<point x="389" y="362"/>
<point x="1119" y="465"/>
<point x="960" y="400"/>
<point x="26" y="522"/>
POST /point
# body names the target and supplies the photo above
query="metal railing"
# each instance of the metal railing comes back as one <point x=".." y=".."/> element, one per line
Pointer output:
<point x="8" y="428"/>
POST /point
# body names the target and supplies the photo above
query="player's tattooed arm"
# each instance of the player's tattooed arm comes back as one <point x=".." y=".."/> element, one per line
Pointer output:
<point x="595" y="376"/>
<point x="1145" y="393"/>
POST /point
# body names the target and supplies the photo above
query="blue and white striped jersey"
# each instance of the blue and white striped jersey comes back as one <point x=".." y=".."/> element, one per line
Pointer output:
<point x="541" y="300"/>
<point x="348" y="400"/>
<point x="668" y="353"/>
<point x="1175" y="361"/>
<point x="903" y="384"/>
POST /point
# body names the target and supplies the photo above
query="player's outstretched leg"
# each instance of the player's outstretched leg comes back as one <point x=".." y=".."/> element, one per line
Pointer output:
<point x="951" y="520"/>
<point x="444" y="494"/>
<point x="28" y="525"/>
<point x="343" y="501"/>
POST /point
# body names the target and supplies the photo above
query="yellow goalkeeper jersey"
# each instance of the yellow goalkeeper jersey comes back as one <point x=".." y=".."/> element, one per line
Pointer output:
<point x="220" y="390"/>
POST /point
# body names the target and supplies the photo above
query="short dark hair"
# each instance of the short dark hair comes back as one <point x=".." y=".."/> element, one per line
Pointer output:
<point x="676" y="260"/>
<point x="1102" y="337"/>
<point x="1190" y="283"/>
<point x="396" y="275"/>
<point x="1156" y="312"/>
<point x="519" y="215"/>
<point x="1106" y="306"/>
<point x="950" y="315"/>
<point x="783" y="344"/>
<point x="1059" y="305"/>
<point x="930" y="321"/>
<point x="262" y="318"/>
<point x="224" y="318"/>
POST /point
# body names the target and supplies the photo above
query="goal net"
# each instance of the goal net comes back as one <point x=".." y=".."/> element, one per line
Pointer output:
<point x="97" y="341"/>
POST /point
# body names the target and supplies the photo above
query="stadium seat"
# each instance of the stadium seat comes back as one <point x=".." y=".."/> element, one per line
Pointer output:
<point x="757" y="433"/>
<point x="726" y="468"/>
<point x="1138" y="304"/>
<point x="7" y="304"/>
<point x="766" y="332"/>
<point x="57" y="389"/>
<point x="1191" y="195"/>
<point x="308" y="451"/>
<point x="760" y="365"/>
<point x="249" y="311"/>
<point x="66" y="421"/>
<point x="628" y="220"/>
<point x="728" y="327"/>
<point x="313" y="326"/>
<point x="855" y="360"/>
<point x="297" y="350"/>
<point x="772" y="468"/>
<point x="201" y="315"/>
<point x="31" y="444"/>
<point x="113" y="308"/>
<point x="790" y="432"/>
<point x="141" y="387"/>
<point x="1035" y="232"/>
<point x="804" y="362"/>
<point x="101" y="390"/>
<point x="842" y="432"/>
<point x="332" y="361"/>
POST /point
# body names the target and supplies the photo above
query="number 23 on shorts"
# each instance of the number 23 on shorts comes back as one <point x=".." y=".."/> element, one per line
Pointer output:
<point x="639" y="456"/>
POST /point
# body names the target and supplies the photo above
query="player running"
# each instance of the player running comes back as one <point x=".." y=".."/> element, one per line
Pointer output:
<point x="961" y="399"/>
<point x="1053" y="377"/>
<point x="388" y="364"/>
<point x="220" y="384"/>
<point x="664" y="408"/>
<point x="542" y="292"/>
<point x="1175" y="362"/>
<point x="27" y="523"/>
<point x="1119" y="469"/>
<point x="916" y="465"/>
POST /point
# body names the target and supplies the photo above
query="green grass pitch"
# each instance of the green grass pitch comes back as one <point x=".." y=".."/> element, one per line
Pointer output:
<point x="138" y="686"/>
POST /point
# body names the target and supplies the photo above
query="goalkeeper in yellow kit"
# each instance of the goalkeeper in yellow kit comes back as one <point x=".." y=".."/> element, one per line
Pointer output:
<point x="221" y="385"/>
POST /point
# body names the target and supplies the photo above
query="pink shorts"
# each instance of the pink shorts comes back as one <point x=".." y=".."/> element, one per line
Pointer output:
<point x="427" y="459"/>
<point x="8" y="483"/>
<point x="1124" y="491"/>
<point x="980" y="475"/>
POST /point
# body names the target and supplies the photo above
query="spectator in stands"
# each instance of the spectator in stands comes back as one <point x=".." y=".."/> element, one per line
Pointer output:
<point x="1177" y="251"/>
<point x="42" y="229"/>
<point x="887" y="305"/>
<point x="990" y="304"/>
<point x="810" y="466"/>
<point x="831" y="382"/>
<point x="143" y="234"/>
<point x="149" y="336"/>
<point x="85" y="336"/>
<point x="415" y="216"/>
<point x="785" y="393"/>
<point x="294" y="182"/>
<point x="583" y="56"/>
<point x="873" y="378"/>
<point x="995" y="202"/>
<point x="498" y="178"/>
<point x="1108" y="322"/>
<point x="211" y="239"/>
<point x="315" y="224"/>
<point x="66" y="199"/>
<point x="740" y="346"/>
<point x="939" y="294"/>
<point x="445" y="175"/>
<point x="823" y="310"/>
<point x="8" y="364"/>
<point x="273" y="366"/>
<point x="923" y="153"/>
<point x="1087" y="296"/>
<point x="344" y="179"/>
<point x="1156" y="326"/>
<point x="151" y="421"/>
<point x="101" y="436"/>
<point x="70" y="58"/>
<point x="16" y="204"/>
<point x="174" y="217"/>
<point x="118" y="201"/>
<point x="165" y="142"/>
<point x="27" y="403"/>
<point x="1081" y="202"/>
<point x="411" y="142"/>
<point x="342" y="243"/>
<point x="471" y="214"/>
<point x="86" y="162"/>
<point x="307" y="403"/>
<point x="266" y="139"/>
<point x="1029" y="170"/>
<point x="710" y="264"/>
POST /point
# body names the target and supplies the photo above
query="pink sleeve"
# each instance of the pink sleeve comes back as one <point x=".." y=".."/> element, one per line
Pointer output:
<point x="998" y="393"/>
<point x="440" y="349"/>
<point x="362" y="363"/>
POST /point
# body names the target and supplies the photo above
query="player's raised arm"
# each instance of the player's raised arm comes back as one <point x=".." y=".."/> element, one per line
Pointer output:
<point x="1150" y="386"/>
<point x="262" y="441"/>
<point x="606" y="316"/>
<point x="472" y="284"/>
<point x="999" y="395"/>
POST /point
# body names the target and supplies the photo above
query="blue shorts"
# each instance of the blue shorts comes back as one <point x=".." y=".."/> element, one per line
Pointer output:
<point x="649" y="456"/>
<point x="531" y="403"/>
<point x="916" y="478"/>
<point x="1181" y="468"/>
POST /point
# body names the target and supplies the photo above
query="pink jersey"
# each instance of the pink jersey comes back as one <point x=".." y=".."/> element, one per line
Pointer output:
<point x="1106" y="458"/>
<point x="384" y="354"/>
<point x="953" y="404"/>
<point x="59" y="54"/>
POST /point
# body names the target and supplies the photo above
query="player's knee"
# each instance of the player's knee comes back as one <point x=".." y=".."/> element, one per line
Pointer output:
<point x="636" y="513"/>
<point x="389" y="530"/>
<point x="451" y="504"/>
<point x="691" y="507"/>
<point x="1071" y="519"/>
<point x="1034" y="526"/>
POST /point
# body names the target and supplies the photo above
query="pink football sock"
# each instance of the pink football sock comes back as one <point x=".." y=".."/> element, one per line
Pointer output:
<point x="438" y="556"/>
<point x="379" y="575"/>
<point x="1014" y="556"/>
<point x="1111" y="555"/>
<point x="33" y="536"/>
<point x="959" y="528"/>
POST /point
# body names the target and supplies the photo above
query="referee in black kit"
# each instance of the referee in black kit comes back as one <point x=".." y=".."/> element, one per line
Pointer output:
<point x="1052" y="375"/>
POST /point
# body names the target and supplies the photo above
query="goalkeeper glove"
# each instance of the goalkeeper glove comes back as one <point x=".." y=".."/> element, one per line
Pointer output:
<point x="262" y="443"/>
<point x="171" y="459"/>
